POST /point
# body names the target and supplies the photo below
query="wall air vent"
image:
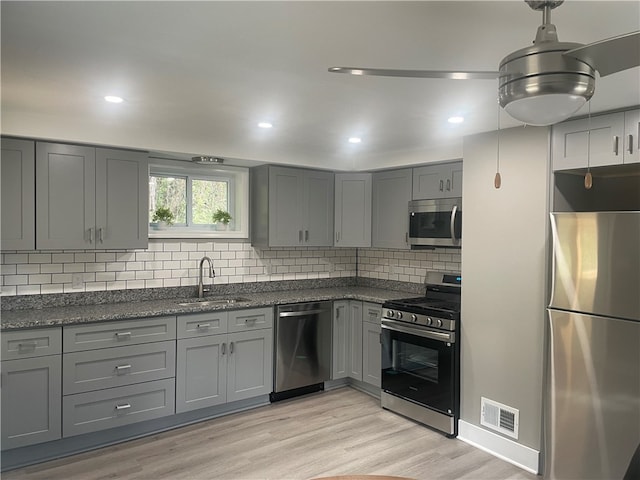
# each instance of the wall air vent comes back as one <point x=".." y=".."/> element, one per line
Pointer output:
<point x="499" y="417"/>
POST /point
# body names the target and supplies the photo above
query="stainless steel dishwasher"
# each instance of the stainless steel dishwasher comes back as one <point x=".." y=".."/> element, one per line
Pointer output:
<point x="303" y="349"/>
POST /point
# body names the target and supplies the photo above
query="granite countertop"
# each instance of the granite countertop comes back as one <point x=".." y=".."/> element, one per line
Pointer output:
<point x="79" y="314"/>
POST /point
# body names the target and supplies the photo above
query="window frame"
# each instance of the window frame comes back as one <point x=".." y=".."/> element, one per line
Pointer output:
<point x="237" y="179"/>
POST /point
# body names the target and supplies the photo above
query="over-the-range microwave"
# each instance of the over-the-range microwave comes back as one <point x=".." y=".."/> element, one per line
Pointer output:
<point x="435" y="223"/>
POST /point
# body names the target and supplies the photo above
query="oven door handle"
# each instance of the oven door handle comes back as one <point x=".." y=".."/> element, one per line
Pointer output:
<point x="449" y="337"/>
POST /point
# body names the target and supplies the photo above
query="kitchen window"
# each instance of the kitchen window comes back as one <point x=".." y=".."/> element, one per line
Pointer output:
<point x="193" y="193"/>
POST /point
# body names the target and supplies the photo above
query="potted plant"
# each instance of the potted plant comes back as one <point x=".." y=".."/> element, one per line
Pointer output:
<point x="221" y="218"/>
<point x="163" y="217"/>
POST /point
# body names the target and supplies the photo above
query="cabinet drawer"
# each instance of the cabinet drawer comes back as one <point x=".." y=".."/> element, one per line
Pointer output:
<point x="115" y="334"/>
<point x="114" y="407"/>
<point x="253" y="319"/>
<point x="31" y="343"/>
<point x="201" y="324"/>
<point x="372" y="312"/>
<point x="115" y="367"/>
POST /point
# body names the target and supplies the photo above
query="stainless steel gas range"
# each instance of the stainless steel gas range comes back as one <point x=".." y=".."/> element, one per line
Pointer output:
<point x="421" y="354"/>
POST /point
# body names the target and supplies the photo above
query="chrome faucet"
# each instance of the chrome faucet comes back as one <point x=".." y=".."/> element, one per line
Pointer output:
<point x="212" y="274"/>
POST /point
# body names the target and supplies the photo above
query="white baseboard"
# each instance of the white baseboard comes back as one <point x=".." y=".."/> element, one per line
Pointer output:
<point x="519" y="455"/>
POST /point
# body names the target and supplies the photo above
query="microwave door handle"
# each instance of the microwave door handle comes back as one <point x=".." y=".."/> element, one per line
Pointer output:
<point x="452" y="225"/>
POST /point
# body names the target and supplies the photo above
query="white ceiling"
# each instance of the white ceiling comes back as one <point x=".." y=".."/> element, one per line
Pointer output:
<point x="198" y="76"/>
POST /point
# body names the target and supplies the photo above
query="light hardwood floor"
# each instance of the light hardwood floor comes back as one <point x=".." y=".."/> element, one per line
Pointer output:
<point x="340" y="432"/>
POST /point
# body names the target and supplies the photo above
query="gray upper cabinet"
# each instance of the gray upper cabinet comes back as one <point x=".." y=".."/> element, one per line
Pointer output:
<point x="610" y="139"/>
<point x="391" y="193"/>
<point x="353" y="210"/>
<point x="90" y="198"/>
<point x="291" y="207"/>
<point x="443" y="180"/>
<point x="17" y="173"/>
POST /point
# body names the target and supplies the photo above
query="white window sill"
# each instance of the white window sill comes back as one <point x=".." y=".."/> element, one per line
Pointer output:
<point x="169" y="233"/>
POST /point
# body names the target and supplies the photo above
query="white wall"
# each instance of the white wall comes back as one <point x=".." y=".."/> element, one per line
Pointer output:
<point x="504" y="266"/>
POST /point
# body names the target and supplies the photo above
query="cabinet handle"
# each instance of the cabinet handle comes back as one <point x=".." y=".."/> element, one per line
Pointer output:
<point x="441" y="186"/>
<point x="231" y="347"/>
<point x="203" y="325"/>
<point x="122" y="335"/>
<point x="100" y="235"/>
<point x="306" y="235"/>
<point x="615" y="145"/>
<point x="448" y="185"/>
<point x="337" y="313"/>
<point x="299" y="236"/>
<point x="91" y="235"/>
<point x="250" y="320"/>
<point x="337" y="237"/>
<point x="224" y="348"/>
<point x="120" y="368"/>
<point x="638" y="148"/>
<point x="27" y="346"/>
<point x="630" y="144"/>
<point x="124" y="406"/>
<point x="406" y="237"/>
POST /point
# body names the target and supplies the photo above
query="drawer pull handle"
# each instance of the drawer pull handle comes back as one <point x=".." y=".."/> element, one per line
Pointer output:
<point x="252" y="320"/>
<point x="120" y="368"/>
<point x="231" y="347"/>
<point x="27" y="346"/>
<point x="203" y="325"/>
<point x="123" y="406"/>
<point x="123" y="334"/>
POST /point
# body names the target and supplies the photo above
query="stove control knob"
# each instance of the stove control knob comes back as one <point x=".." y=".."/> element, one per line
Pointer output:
<point x="414" y="318"/>
<point x="439" y="322"/>
<point x="390" y="313"/>
<point x="399" y="315"/>
<point x="429" y="321"/>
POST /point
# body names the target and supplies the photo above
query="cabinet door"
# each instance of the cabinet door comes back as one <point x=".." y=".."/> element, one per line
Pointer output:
<point x="456" y="181"/>
<point x="17" y="174"/>
<point x="250" y="364"/>
<point x="355" y="337"/>
<point x="65" y="196"/>
<point x="340" y="341"/>
<point x="285" y="207"/>
<point x="353" y="210"/>
<point x="318" y="208"/>
<point x="122" y="197"/>
<point x="201" y="372"/>
<point x="429" y="182"/>
<point x="31" y="401"/>
<point x="371" y="353"/>
<point x="390" y="212"/>
<point x="598" y="139"/>
<point x="632" y="136"/>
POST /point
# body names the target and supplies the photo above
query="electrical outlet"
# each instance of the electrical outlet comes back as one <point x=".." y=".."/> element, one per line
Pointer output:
<point x="77" y="280"/>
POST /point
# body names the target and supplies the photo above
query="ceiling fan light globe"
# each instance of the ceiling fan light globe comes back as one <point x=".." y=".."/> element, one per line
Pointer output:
<point x="544" y="110"/>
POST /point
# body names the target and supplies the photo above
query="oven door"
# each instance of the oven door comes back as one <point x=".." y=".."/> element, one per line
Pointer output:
<point x="419" y="365"/>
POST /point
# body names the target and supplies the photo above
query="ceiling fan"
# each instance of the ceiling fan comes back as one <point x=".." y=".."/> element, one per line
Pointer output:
<point x="544" y="83"/>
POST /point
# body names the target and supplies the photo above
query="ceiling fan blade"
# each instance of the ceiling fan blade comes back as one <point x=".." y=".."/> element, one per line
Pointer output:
<point x="611" y="55"/>
<point x="446" y="74"/>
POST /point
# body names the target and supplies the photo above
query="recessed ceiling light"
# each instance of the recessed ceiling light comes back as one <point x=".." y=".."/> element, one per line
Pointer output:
<point x="265" y="125"/>
<point x="113" y="99"/>
<point x="355" y="140"/>
<point x="456" y="119"/>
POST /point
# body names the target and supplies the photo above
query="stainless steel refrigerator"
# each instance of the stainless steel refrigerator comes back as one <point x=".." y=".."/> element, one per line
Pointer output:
<point x="592" y="404"/>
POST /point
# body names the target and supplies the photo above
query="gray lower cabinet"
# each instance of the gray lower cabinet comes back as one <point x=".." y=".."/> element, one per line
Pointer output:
<point x="31" y="401"/>
<point x="115" y="367"/>
<point x="356" y="341"/>
<point x="115" y="407"/>
<point x="218" y="368"/>
<point x="17" y="174"/>
<point x="117" y="373"/>
<point x="371" y="353"/>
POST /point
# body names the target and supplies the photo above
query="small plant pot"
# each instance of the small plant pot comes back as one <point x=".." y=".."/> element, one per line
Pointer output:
<point x="222" y="227"/>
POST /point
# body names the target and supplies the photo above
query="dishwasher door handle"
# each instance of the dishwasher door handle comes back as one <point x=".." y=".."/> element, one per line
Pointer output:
<point x="300" y="314"/>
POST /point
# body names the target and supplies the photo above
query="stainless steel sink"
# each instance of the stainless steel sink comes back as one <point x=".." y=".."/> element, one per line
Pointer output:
<point x="212" y="301"/>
